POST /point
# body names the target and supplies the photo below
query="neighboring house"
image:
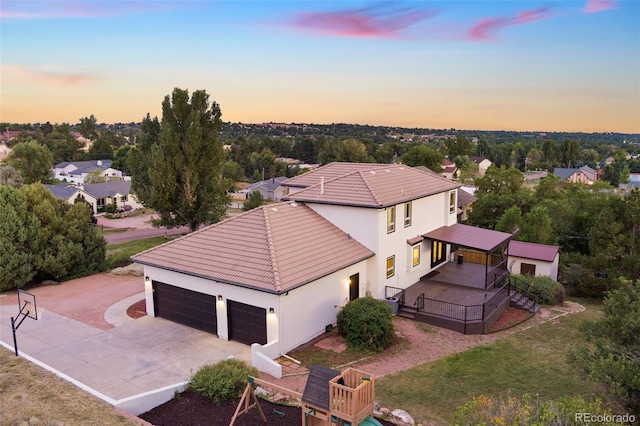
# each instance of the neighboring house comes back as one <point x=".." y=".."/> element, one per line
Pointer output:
<point x="483" y="164"/>
<point x="584" y="174"/>
<point x="533" y="259"/>
<point x="77" y="171"/>
<point x="279" y="274"/>
<point x="634" y="180"/>
<point x="4" y="151"/>
<point x="270" y="189"/>
<point x="449" y="169"/>
<point x="98" y="195"/>
<point x="465" y="200"/>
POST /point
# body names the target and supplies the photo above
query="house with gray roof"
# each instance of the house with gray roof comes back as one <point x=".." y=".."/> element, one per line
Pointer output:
<point x="98" y="195"/>
<point x="77" y="171"/>
<point x="584" y="174"/>
<point x="270" y="189"/>
<point x="276" y="277"/>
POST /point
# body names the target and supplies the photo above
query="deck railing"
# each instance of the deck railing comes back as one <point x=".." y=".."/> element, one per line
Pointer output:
<point x="496" y="275"/>
<point x="394" y="292"/>
<point x="464" y="313"/>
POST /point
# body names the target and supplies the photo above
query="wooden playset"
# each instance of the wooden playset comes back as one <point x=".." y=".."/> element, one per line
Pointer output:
<point x="330" y="397"/>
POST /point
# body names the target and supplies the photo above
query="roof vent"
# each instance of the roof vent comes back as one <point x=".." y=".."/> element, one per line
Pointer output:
<point x="372" y="172"/>
<point x="273" y="209"/>
<point x="387" y="170"/>
<point x="322" y="185"/>
<point x="294" y="204"/>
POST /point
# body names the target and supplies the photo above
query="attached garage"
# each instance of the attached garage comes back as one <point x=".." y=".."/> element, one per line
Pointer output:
<point x="191" y="308"/>
<point x="247" y="323"/>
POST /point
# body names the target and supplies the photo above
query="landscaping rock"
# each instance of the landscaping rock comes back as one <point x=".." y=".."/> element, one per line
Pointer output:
<point x="385" y="410"/>
<point x="49" y="282"/>
<point x="135" y="270"/>
<point x="403" y="416"/>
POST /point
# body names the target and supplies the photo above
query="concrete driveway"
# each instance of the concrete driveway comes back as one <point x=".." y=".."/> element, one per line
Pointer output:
<point x="119" y="357"/>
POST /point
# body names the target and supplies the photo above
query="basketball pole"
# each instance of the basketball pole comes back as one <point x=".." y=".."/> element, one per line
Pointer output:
<point x="14" y="327"/>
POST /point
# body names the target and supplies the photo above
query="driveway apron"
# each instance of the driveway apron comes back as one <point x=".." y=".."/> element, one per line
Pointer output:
<point x="132" y="357"/>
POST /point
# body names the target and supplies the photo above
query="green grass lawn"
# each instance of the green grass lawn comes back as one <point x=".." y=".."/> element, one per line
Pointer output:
<point x="531" y="361"/>
<point x="120" y="252"/>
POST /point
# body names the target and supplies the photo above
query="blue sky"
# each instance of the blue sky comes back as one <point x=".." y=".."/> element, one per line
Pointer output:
<point x="512" y="65"/>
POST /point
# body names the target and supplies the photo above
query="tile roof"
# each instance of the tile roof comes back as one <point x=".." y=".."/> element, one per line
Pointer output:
<point x="329" y="172"/>
<point x="469" y="236"/>
<point x="464" y="198"/>
<point x="273" y="248"/>
<point x="375" y="187"/>
<point x="532" y="250"/>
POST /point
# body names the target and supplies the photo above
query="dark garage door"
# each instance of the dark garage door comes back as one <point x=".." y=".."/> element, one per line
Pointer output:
<point x="193" y="309"/>
<point x="247" y="323"/>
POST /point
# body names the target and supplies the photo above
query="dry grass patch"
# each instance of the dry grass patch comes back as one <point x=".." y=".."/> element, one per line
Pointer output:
<point x="31" y="395"/>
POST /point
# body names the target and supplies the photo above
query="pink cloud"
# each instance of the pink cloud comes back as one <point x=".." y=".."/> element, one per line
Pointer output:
<point x="80" y="9"/>
<point x="374" y="22"/>
<point x="485" y="28"/>
<point x="599" y="5"/>
<point x="35" y="75"/>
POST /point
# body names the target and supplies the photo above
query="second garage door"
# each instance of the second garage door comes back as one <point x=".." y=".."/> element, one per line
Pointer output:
<point x="247" y="323"/>
<point x="193" y="309"/>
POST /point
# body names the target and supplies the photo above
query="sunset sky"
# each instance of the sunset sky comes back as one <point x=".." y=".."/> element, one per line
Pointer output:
<point x="510" y="65"/>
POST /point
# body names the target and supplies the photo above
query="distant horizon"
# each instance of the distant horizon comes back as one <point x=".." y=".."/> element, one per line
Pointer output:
<point x="100" y="122"/>
<point x="563" y="66"/>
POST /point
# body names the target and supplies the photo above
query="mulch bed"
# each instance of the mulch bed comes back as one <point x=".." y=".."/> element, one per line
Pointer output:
<point x="510" y="318"/>
<point x="191" y="409"/>
<point x="137" y="310"/>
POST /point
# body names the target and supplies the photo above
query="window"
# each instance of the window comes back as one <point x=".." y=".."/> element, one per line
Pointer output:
<point x="415" y="255"/>
<point x="391" y="219"/>
<point x="407" y="214"/>
<point x="452" y="202"/>
<point x="391" y="266"/>
<point x="438" y="252"/>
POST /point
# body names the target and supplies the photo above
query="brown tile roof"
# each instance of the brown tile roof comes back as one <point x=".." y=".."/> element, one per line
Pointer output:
<point x="532" y="250"/>
<point x="329" y="172"/>
<point x="273" y="248"/>
<point x="469" y="236"/>
<point x="375" y="187"/>
<point x="464" y="198"/>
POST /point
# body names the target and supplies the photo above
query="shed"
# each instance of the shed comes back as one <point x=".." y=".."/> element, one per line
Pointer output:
<point x="533" y="259"/>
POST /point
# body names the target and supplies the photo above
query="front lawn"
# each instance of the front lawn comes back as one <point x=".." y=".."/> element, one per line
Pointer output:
<point x="120" y="253"/>
<point x="34" y="396"/>
<point x="530" y="361"/>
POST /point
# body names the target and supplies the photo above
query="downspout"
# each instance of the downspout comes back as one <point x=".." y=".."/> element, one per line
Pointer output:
<point x="289" y="358"/>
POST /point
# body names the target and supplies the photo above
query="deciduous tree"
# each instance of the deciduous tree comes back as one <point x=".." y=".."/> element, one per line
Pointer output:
<point x="422" y="155"/>
<point x="32" y="160"/>
<point x="185" y="163"/>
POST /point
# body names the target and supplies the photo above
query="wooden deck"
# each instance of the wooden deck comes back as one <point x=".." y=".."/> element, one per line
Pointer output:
<point x="455" y="297"/>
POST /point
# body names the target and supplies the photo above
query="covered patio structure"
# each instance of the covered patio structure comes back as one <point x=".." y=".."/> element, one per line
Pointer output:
<point x="467" y="293"/>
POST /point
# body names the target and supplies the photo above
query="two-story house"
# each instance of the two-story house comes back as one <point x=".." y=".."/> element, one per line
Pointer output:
<point x="279" y="274"/>
<point x="77" y="171"/>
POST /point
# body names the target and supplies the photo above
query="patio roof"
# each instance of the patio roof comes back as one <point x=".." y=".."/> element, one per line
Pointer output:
<point x="470" y="237"/>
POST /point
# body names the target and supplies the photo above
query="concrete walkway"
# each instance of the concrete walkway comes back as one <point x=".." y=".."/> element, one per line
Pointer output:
<point x="130" y="358"/>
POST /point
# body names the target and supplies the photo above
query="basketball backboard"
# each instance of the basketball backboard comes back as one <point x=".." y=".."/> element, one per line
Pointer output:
<point x="27" y="304"/>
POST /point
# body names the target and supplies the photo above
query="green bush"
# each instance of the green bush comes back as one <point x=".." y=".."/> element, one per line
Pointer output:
<point x="110" y="208"/>
<point x="529" y="410"/>
<point x="223" y="381"/>
<point x="366" y="324"/>
<point x="545" y="290"/>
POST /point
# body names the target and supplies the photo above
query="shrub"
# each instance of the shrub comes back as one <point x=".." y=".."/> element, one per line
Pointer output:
<point x="223" y="381"/>
<point x="545" y="290"/>
<point x="110" y="208"/>
<point x="528" y="410"/>
<point x="366" y="324"/>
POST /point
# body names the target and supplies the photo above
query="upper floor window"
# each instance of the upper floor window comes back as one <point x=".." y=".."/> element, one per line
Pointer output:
<point x="452" y="202"/>
<point x="415" y="251"/>
<point x="407" y="214"/>
<point x="391" y="219"/>
<point x="391" y="266"/>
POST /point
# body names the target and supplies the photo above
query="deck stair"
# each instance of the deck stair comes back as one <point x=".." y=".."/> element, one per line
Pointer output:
<point x="408" y="312"/>
<point x="523" y="302"/>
